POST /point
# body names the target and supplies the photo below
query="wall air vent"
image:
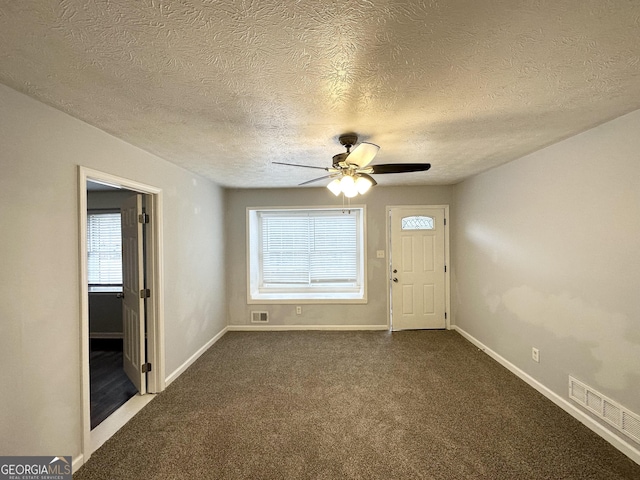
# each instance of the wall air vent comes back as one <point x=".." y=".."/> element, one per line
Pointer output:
<point x="611" y="412"/>
<point x="259" y="317"/>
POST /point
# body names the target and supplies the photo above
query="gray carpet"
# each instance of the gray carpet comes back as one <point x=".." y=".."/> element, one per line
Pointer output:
<point x="342" y="405"/>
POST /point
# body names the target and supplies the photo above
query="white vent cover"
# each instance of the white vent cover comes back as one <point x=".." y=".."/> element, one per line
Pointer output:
<point x="608" y="410"/>
<point x="259" y="317"/>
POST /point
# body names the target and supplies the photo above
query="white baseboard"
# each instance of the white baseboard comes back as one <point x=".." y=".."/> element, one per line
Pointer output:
<point x="76" y="463"/>
<point x="118" y="419"/>
<point x="180" y="370"/>
<point x="280" y="328"/>
<point x="618" y="442"/>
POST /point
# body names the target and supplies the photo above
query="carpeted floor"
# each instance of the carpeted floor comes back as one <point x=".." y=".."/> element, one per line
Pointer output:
<point x="353" y="405"/>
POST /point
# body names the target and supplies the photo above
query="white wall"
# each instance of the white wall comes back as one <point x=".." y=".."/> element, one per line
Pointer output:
<point x="547" y="254"/>
<point x="374" y="313"/>
<point x="40" y="150"/>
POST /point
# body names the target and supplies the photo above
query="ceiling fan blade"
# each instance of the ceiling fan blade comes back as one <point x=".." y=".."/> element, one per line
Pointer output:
<point x="400" y="167"/>
<point x="298" y="165"/>
<point x="363" y="154"/>
<point x="317" y="179"/>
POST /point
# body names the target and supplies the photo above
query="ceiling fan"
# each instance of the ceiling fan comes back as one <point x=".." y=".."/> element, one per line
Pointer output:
<point x="351" y="171"/>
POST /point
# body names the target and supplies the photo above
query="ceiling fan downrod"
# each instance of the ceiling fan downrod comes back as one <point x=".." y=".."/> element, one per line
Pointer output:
<point x="347" y="140"/>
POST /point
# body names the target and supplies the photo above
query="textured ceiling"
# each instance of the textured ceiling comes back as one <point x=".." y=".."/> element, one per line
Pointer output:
<point x="223" y="88"/>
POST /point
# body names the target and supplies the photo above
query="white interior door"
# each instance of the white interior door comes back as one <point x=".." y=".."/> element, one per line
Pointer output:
<point x="132" y="284"/>
<point x="418" y="295"/>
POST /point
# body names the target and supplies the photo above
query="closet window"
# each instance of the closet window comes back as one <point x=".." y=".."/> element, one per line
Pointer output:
<point x="104" y="247"/>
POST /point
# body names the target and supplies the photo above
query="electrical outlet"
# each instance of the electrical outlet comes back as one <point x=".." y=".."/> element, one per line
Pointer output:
<point x="298" y="310"/>
<point x="380" y="254"/>
<point x="535" y="354"/>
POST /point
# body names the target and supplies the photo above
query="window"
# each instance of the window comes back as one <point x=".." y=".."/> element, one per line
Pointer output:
<point x="104" y="248"/>
<point x="306" y="254"/>
<point x="417" y="222"/>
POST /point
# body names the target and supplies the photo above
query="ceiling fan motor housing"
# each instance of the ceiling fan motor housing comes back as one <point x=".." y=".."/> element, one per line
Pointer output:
<point x="339" y="158"/>
<point x="348" y="139"/>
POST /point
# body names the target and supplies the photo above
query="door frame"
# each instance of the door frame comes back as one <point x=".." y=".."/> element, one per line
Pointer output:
<point x="447" y="260"/>
<point x="155" y="307"/>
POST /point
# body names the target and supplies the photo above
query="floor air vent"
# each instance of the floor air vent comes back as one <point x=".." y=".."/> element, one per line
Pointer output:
<point x="259" y="317"/>
<point x="608" y="410"/>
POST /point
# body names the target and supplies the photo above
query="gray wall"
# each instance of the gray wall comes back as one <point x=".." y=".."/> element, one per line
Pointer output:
<point x="372" y="313"/>
<point x="546" y="254"/>
<point x="40" y="150"/>
<point x="105" y="314"/>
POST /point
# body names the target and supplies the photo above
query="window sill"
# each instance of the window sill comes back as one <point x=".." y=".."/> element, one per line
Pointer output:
<point x="306" y="298"/>
<point x="105" y="288"/>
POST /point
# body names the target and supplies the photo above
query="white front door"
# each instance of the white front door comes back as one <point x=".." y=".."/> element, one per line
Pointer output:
<point x="132" y="283"/>
<point x="418" y="295"/>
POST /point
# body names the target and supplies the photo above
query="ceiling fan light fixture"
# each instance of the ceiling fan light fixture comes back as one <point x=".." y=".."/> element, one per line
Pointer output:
<point x="334" y="186"/>
<point x="348" y="186"/>
<point x="350" y="193"/>
<point x="346" y="182"/>
<point x="363" y="185"/>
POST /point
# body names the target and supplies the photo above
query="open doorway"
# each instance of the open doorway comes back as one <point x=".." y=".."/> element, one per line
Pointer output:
<point x="121" y="300"/>
<point x="110" y="387"/>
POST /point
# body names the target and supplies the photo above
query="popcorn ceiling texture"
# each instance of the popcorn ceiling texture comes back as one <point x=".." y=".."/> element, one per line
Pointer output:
<point x="223" y="88"/>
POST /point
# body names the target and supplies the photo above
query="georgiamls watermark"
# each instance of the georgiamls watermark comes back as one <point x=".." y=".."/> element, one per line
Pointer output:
<point x="35" y="468"/>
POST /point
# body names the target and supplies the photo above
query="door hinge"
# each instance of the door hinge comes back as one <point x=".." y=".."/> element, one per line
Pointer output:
<point x="445" y="222"/>
<point x="445" y="315"/>
<point x="445" y="269"/>
<point x="146" y="367"/>
<point x="145" y="293"/>
<point x="143" y="218"/>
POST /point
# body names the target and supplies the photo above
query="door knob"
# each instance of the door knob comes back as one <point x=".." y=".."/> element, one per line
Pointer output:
<point x="395" y="279"/>
<point x="395" y="270"/>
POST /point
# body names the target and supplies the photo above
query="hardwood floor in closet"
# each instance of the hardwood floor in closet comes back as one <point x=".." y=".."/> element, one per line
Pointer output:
<point x="110" y="386"/>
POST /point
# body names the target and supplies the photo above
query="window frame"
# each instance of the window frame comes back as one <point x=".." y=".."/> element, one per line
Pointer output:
<point x="309" y="295"/>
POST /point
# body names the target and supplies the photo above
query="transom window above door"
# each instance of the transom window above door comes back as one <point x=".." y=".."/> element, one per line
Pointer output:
<point x="417" y="222"/>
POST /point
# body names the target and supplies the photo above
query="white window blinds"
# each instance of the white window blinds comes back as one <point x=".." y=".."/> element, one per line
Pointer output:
<point x="306" y="254"/>
<point x="309" y="248"/>
<point x="104" y="247"/>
